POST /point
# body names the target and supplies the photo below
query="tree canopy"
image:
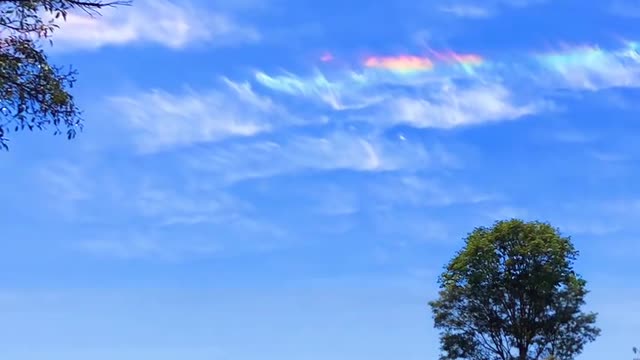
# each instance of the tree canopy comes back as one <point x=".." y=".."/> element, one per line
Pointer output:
<point x="34" y="94"/>
<point x="512" y="294"/>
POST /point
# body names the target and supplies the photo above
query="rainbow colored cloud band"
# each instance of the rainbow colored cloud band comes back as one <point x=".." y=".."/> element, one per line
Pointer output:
<point x="412" y="63"/>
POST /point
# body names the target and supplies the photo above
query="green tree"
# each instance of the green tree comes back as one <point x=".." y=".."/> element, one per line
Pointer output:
<point x="34" y="94"/>
<point x="512" y="294"/>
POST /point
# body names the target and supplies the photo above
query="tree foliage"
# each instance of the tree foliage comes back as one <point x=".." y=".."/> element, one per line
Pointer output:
<point x="34" y="94"/>
<point x="512" y="294"/>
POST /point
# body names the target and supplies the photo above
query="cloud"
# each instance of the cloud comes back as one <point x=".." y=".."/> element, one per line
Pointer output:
<point x="339" y="95"/>
<point x="467" y="10"/>
<point x="168" y="207"/>
<point x="339" y="150"/>
<point x="454" y="90"/>
<point x="183" y="240"/>
<point x="141" y="216"/>
<point x="168" y="23"/>
<point x="598" y="217"/>
<point x="457" y="89"/>
<point x="161" y="120"/>
<point x="619" y="207"/>
<point x="69" y="188"/>
<point x="454" y="106"/>
<point x="593" y="227"/>
<point x="333" y="200"/>
<point x="488" y="8"/>
<point x="591" y="68"/>
<point x="423" y="191"/>
<point x="137" y="245"/>
<point x="66" y="181"/>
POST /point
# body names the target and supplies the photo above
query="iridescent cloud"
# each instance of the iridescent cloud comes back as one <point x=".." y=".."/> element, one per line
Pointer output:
<point x="377" y="78"/>
<point x="412" y="63"/>
<point x="402" y="63"/>
<point x="592" y="67"/>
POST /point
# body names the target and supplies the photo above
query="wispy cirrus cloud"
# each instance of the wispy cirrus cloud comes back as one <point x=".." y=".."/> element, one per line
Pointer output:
<point x="161" y="120"/>
<point x="70" y="188"/>
<point x="447" y="89"/>
<point x="66" y="181"/>
<point x="442" y="103"/>
<point x="442" y="90"/>
<point x="337" y="94"/>
<point x="590" y="68"/>
<point x="424" y="191"/>
<point x="173" y="24"/>
<point x="340" y="150"/>
<point x="487" y="9"/>
<point x="466" y="10"/>
<point x="153" y="220"/>
<point x="167" y="207"/>
<point x="240" y="235"/>
<point x="136" y="245"/>
<point x="454" y="107"/>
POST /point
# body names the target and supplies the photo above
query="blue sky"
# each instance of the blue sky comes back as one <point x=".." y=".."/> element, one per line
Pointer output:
<point x="234" y="197"/>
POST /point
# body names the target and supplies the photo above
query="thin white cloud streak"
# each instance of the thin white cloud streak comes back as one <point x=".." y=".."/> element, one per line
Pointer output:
<point x="167" y="23"/>
<point x="154" y="222"/>
<point x="160" y="120"/>
<point x="472" y="11"/>
<point x="597" y="217"/>
<point x="335" y="151"/>
<point x="422" y="191"/>
<point x="338" y="95"/>
<point x="489" y="8"/>
<point x="352" y="89"/>
<point x="448" y="97"/>
<point x="65" y="181"/>
<point x="334" y="200"/>
<point x="234" y="234"/>
<point x="442" y="103"/>
<point x="193" y="206"/>
<point x="455" y="96"/>
<point x="169" y="207"/>
<point x="150" y="246"/>
<point x="590" y="69"/>
<point x="454" y="107"/>
<point x="70" y="188"/>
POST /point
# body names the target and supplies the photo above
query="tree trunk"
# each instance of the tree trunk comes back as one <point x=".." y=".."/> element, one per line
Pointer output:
<point x="522" y="352"/>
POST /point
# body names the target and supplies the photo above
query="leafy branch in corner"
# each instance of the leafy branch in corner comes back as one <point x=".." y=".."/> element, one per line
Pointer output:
<point x="34" y="94"/>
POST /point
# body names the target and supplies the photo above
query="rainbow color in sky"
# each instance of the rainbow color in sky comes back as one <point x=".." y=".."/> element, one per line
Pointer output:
<point x="566" y="57"/>
<point x="463" y="59"/>
<point x="401" y="63"/>
<point x="412" y="63"/>
<point x="348" y="87"/>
